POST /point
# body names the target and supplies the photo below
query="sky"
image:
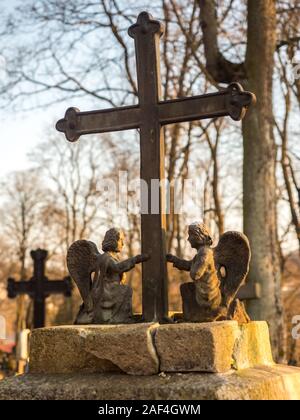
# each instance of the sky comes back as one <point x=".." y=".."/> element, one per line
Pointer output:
<point x="20" y="133"/>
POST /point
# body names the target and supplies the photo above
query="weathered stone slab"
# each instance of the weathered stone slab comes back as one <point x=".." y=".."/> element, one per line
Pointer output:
<point x="94" y="348"/>
<point x="262" y="383"/>
<point x="145" y="349"/>
<point x="252" y="347"/>
<point x="200" y="347"/>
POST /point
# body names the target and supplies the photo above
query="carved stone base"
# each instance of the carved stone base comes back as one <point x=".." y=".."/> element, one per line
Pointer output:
<point x="88" y="362"/>
<point x="147" y="349"/>
<point x="262" y="383"/>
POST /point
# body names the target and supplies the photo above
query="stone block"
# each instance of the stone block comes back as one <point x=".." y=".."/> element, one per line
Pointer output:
<point x="94" y="348"/>
<point x="200" y="347"/>
<point x="252" y="347"/>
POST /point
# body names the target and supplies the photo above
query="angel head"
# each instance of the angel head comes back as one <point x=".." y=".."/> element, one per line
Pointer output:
<point x="199" y="235"/>
<point x="113" y="240"/>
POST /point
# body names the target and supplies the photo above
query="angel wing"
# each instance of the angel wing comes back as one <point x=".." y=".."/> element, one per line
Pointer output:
<point x="82" y="260"/>
<point x="232" y="257"/>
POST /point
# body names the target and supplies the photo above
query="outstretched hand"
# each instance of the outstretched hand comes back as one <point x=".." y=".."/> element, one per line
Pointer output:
<point x="141" y="258"/>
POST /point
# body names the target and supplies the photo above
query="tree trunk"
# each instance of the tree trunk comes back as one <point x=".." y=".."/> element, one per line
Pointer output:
<point x="259" y="181"/>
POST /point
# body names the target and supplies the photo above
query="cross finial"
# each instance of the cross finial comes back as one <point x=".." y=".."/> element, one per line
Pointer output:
<point x="68" y="125"/>
<point x="239" y="101"/>
<point x="146" y="24"/>
<point x="39" y="254"/>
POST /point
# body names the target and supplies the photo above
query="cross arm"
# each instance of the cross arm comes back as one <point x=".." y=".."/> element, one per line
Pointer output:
<point x="15" y="288"/>
<point x="76" y="123"/>
<point x="28" y="287"/>
<point x="232" y="101"/>
<point x="64" y="286"/>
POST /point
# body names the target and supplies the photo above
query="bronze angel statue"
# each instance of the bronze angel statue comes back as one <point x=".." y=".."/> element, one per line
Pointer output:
<point x="100" y="279"/>
<point x="217" y="275"/>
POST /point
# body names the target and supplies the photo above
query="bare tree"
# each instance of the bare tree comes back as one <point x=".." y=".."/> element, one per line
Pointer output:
<point x="68" y="63"/>
<point x="24" y="198"/>
<point x="255" y="72"/>
<point x="77" y="24"/>
<point x="213" y="144"/>
<point x="72" y="172"/>
<point x="291" y="185"/>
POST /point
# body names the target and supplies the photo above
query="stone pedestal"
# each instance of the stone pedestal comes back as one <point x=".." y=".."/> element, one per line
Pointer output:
<point x="218" y="360"/>
<point x="261" y="383"/>
<point x="148" y="349"/>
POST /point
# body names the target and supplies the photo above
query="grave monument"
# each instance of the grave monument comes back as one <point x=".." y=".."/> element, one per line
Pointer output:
<point x="109" y="353"/>
<point x="38" y="288"/>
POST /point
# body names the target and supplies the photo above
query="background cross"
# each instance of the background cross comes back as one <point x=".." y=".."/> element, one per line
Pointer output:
<point x="149" y="116"/>
<point x="39" y="287"/>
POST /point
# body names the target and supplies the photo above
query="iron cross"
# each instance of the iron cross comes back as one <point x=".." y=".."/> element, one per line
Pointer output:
<point x="149" y="116"/>
<point x="39" y="287"/>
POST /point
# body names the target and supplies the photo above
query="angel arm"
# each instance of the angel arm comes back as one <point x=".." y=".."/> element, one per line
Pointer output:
<point x="127" y="265"/>
<point x="181" y="264"/>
